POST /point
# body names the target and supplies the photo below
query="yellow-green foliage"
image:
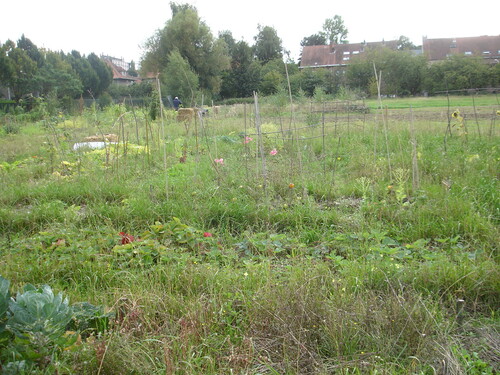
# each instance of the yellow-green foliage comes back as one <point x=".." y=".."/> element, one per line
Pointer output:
<point x="272" y="137"/>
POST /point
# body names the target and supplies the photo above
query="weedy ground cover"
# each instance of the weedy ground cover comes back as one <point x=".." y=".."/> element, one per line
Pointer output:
<point x="332" y="239"/>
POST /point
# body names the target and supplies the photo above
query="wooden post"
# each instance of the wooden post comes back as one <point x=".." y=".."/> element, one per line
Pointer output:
<point x="163" y="136"/>
<point x="414" y="159"/>
<point x="259" y="135"/>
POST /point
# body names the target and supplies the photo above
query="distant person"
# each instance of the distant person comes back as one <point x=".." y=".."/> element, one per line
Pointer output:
<point x="177" y="103"/>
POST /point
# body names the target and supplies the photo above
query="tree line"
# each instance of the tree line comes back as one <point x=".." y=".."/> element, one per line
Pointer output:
<point x="191" y="60"/>
<point x="193" y="64"/>
<point x="25" y="69"/>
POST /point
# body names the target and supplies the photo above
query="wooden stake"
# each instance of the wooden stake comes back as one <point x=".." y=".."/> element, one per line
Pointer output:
<point x="414" y="160"/>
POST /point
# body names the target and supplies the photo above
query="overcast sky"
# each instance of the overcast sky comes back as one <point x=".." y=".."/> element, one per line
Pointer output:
<point x="120" y="28"/>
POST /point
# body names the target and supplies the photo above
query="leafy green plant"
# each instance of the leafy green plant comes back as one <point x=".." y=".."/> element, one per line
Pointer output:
<point x="88" y="319"/>
<point x="38" y="320"/>
<point x="35" y="326"/>
<point x="175" y="232"/>
<point x="4" y="306"/>
<point x="472" y="363"/>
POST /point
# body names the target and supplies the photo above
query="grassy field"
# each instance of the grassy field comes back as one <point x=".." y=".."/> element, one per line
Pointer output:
<point x="439" y="102"/>
<point x="253" y="241"/>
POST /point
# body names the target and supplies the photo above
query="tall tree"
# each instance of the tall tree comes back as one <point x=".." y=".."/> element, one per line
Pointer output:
<point x="57" y="77"/>
<point x="178" y="8"/>
<point x="227" y="36"/>
<point x="31" y="50"/>
<point x="179" y="78"/>
<point x="403" y="73"/>
<point x="404" y="43"/>
<point x="267" y="44"/>
<point x="314" y="40"/>
<point x="87" y="74"/>
<point x="191" y="37"/>
<point x="19" y="70"/>
<point x="244" y="76"/>
<point x="132" y="71"/>
<point x="7" y="68"/>
<point x="334" y="30"/>
<point x="103" y="71"/>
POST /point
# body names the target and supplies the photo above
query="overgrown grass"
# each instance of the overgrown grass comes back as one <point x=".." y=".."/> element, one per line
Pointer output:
<point x="318" y="253"/>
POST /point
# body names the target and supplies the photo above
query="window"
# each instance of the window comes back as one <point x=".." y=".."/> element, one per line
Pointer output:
<point x="346" y="58"/>
<point x="468" y="53"/>
<point x="486" y="52"/>
<point x="346" y="52"/>
<point x="355" y="52"/>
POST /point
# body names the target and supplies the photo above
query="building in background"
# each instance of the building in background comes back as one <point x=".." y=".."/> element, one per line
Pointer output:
<point x="340" y="55"/>
<point x="487" y="47"/>
<point x="121" y="71"/>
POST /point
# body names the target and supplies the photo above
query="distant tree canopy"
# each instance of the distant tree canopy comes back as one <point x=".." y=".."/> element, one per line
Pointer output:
<point x="402" y="72"/>
<point x="405" y="43"/>
<point x="267" y="44"/>
<point x="191" y="38"/>
<point x="461" y="73"/>
<point x="334" y="30"/>
<point x="25" y="69"/>
<point x="314" y="40"/>
<point x="243" y="77"/>
<point x="180" y="80"/>
<point x="190" y="61"/>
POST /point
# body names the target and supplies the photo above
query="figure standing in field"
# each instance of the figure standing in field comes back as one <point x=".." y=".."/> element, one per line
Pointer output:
<point x="177" y="103"/>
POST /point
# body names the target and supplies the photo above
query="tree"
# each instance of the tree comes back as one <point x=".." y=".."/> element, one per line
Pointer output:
<point x="7" y="68"/>
<point x="271" y="82"/>
<point x="179" y="78"/>
<point x="267" y="44"/>
<point x="31" y="50"/>
<point x="88" y="76"/>
<point x="311" y="79"/>
<point x="103" y="71"/>
<point x="57" y="78"/>
<point x="192" y="38"/>
<point x="403" y="73"/>
<point x="179" y="8"/>
<point x="314" y="40"/>
<point x="460" y="73"/>
<point x="404" y="43"/>
<point x="227" y="36"/>
<point x="334" y="30"/>
<point x="132" y="71"/>
<point x="19" y="70"/>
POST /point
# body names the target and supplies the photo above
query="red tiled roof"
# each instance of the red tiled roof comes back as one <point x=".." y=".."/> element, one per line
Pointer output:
<point x="337" y="54"/>
<point x="119" y="73"/>
<point x="439" y="49"/>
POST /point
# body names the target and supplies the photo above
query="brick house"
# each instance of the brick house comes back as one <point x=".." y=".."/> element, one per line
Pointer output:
<point x="338" y="55"/>
<point x="120" y="70"/>
<point x="487" y="47"/>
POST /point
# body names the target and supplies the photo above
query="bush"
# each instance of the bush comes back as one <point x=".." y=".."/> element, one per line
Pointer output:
<point x="105" y="100"/>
